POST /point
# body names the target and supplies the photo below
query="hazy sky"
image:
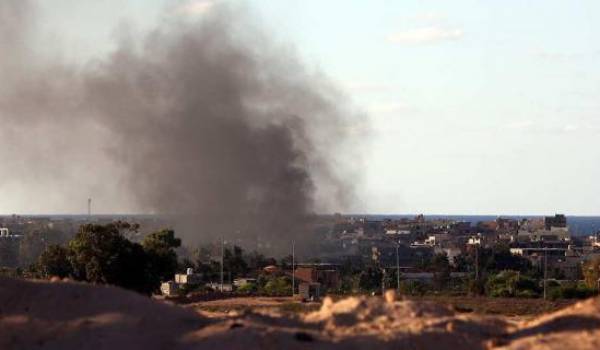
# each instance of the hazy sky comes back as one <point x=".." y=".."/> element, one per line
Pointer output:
<point x="482" y="107"/>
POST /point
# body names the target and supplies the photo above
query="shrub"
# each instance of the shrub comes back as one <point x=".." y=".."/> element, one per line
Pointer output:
<point x="509" y="283"/>
<point x="413" y="288"/>
<point x="247" y="288"/>
<point x="476" y="287"/>
<point x="527" y="293"/>
<point x="278" y="286"/>
<point x="591" y="272"/>
<point x="571" y="291"/>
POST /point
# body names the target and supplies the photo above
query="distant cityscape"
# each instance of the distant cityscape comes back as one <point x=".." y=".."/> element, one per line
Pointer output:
<point x="405" y="246"/>
<point x="549" y="237"/>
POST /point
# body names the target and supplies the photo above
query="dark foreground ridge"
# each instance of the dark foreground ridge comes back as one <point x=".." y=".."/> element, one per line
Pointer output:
<point x="67" y="315"/>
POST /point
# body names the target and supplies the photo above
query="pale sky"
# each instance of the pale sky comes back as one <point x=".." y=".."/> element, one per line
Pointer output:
<point x="475" y="107"/>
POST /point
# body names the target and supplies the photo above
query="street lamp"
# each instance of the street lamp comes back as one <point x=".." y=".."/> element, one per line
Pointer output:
<point x="545" y="270"/>
<point x="222" y="260"/>
<point x="293" y="267"/>
<point x="398" y="266"/>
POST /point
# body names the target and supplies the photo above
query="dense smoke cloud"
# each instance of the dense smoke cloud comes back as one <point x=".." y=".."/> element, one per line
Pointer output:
<point x="207" y="121"/>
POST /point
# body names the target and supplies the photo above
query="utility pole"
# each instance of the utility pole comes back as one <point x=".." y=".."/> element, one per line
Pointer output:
<point x="89" y="208"/>
<point x="477" y="262"/>
<point x="545" y="270"/>
<point x="293" y="267"/>
<point x="398" y="266"/>
<point x="222" y="260"/>
<point x="383" y="282"/>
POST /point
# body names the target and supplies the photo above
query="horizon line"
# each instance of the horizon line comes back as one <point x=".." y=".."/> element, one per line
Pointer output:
<point x="321" y="214"/>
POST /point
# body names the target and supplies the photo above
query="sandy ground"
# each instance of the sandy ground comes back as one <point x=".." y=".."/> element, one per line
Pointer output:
<point x="243" y="302"/>
<point x="66" y="315"/>
<point x="279" y="305"/>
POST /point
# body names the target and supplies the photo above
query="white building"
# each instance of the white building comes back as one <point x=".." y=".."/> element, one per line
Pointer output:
<point x="594" y="241"/>
<point x="437" y="239"/>
<point x="189" y="278"/>
<point x="475" y="240"/>
<point x="4" y="232"/>
<point x="397" y="232"/>
<point x="227" y="287"/>
<point x="239" y="282"/>
<point x="169" y="288"/>
<point x="554" y="234"/>
<point x="181" y="280"/>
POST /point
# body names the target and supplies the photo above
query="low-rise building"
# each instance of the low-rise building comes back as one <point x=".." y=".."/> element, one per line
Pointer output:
<point x="558" y="221"/>
<point x="188" y="278"/>
<point x="325" y="274"/>
<point x="437" y="239"/>
<point x="539" y="251"/>
<point x="242" y="281"/>
<point x="4" y="232"/>
<point x="169" y="288"/>
<point x="225" y="287"/>
<point x="554" y="234"/>
<point x="309" y="291"/>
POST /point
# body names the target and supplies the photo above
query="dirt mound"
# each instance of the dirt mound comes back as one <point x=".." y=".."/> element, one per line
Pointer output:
<point x="70" y="315"/>
<point x="66" y="315"/>
<point x="575" y="327"/>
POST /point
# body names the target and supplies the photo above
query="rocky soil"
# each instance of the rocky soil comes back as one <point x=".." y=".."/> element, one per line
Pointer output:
<point x="67" y="315"/>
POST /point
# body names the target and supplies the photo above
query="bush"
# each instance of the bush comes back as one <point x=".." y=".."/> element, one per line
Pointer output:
<point x="414" y="288"/>
<point x="591" y="272"/>
<point x="508" y="283"/>
<point x="527" y="293"/>
<point x="350" y="284"/>
<point x="248" y="288"/>
<point x="571" y="291"/>
<point x="278" y="286"/>
<point x="476" y="287"/>
<point x="370" y="279"/>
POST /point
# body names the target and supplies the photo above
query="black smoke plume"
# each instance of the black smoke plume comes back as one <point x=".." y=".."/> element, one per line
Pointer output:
<point x="209" y="122"/>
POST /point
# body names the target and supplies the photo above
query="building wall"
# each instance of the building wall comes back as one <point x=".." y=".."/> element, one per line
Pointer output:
<point x="329" y="279"/>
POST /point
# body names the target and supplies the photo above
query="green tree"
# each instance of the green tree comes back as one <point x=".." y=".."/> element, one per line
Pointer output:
<point x="490" y="260"/>
<point x="162" y="258"/>
<point x="101" y="254"/>
<point x="257" y="261"/>
<point x="286" y="262"/>
<point x="370" y="279"/>
<point x="54" y="261"/>
<point x="234" y="263"/>
<point x="591" y="272"/>
<point x="441" y="271"/>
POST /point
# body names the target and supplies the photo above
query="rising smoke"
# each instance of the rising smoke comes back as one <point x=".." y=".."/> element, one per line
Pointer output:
<point x="208" y="121"/>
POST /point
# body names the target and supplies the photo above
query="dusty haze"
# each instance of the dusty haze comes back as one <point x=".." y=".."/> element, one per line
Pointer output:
<point x="209" y="121"/>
